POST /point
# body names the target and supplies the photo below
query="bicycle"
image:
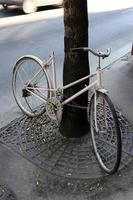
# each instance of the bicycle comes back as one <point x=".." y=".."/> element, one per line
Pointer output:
<point x="36" y="91"/>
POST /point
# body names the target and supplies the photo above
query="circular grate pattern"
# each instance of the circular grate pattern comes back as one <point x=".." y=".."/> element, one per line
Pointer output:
<point x="39" y="140"/>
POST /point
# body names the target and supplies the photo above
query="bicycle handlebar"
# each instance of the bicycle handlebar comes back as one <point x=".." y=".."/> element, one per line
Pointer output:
<point x="99" y="53"/>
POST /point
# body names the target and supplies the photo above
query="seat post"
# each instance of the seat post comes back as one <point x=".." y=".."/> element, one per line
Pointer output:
<point x="99" y="62"/>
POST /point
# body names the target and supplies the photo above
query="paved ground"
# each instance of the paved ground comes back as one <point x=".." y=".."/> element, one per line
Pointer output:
<point x="118" y="79"/>
<point x="23" y="171"/>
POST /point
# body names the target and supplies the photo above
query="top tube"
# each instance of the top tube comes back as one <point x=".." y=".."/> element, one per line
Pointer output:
<point x="99" y="53"/>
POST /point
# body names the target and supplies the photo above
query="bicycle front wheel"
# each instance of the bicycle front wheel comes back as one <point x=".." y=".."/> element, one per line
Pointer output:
<point x="105" y="132"/>
<point x="30" y="84"/>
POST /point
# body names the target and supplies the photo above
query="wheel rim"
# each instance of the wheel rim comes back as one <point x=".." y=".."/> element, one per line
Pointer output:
<point x="105" y="141"/>
<point x="29" y="91"/>
<point x="29" y="7"/>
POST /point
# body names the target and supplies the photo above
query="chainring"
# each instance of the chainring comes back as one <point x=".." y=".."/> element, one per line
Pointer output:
<point x="54" y="108"/>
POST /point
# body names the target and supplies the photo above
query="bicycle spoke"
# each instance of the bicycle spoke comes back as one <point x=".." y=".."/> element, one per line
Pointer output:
<point x="29" y="105"/>
<point x="21" y="78"/>
<point x="106" y="136"/>
<point x="35" y="75"/>
<point x="30" y="86"/>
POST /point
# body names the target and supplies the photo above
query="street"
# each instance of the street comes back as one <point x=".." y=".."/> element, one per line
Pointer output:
<point x="37" y="162"/>
<point x="43" y="32"/>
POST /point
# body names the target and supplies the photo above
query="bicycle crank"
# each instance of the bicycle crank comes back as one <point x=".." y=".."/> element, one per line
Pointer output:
<point x="54" y="108"/>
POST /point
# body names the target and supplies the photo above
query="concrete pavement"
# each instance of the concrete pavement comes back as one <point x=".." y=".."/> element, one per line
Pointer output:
<point x="118" y="79"/>
<point x="28" y="181"/>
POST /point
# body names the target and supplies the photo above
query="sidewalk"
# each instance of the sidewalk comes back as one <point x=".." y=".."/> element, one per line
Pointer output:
<point x="30" y="165"/>
<point x="118" y="79"/>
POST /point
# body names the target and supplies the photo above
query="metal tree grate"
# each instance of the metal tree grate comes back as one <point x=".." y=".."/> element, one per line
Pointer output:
<point x="38" y="140"/>
<point x="6" y="194"/>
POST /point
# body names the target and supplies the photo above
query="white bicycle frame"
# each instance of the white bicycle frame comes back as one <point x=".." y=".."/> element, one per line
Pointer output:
<point x="95" y="84"/>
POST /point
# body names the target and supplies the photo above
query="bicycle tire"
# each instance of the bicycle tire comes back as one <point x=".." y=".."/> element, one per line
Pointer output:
<point x="25" y="87"/>
<point x="107" y="139"/>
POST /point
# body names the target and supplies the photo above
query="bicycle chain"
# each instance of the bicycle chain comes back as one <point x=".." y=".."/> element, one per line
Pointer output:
<point x="73" y="104"/>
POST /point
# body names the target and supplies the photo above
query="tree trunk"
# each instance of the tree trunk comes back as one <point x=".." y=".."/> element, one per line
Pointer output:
<point x="74" y="120"/>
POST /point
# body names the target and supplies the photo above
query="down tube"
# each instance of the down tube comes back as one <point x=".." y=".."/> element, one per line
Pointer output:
<point x="79" y="93"/>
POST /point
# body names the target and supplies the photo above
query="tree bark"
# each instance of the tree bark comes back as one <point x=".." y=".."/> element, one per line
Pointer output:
<point x="74" y="120"/>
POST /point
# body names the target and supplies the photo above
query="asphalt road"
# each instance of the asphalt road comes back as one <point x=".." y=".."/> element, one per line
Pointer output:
<point x="43" y="32"/>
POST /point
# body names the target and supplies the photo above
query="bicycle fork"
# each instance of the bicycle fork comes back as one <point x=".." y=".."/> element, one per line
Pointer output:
<point x="103" y="105"/>
<point x="99" y="88"/>
<point x="95" y="111"/>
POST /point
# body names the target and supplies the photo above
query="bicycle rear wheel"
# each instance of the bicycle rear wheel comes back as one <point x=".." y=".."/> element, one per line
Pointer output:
<point x="30" y="84"/>
<point x="105" y="132"/>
